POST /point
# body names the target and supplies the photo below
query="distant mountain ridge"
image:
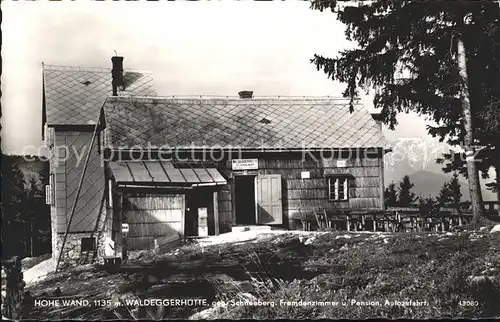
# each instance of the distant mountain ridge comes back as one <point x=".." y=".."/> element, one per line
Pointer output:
<point x="429" y="184"/>
<point x="416" y="157"/>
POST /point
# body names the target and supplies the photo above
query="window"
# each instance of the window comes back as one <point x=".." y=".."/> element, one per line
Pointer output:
<point x="338" y="188"/>
<point x="88" y="244"/>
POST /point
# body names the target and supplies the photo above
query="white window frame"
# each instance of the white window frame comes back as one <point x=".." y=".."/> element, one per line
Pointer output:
<point x="336" y="183"/>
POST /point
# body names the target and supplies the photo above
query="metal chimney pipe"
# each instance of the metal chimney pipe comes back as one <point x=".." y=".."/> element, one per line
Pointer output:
<point x="246" y="94"/>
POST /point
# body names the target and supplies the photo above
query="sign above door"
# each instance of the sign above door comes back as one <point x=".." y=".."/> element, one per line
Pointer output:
<point x="245" y="164"/>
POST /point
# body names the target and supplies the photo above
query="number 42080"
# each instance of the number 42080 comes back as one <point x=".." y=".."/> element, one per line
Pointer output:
<point x="468" y="303"/>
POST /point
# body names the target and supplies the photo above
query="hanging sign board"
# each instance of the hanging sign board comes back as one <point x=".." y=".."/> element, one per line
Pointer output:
<point x="341" y="163"/>
<point x="124" y="228"/>
<point x="245" y="164"/>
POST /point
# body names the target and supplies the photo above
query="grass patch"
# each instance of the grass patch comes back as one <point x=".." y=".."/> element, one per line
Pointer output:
<point x="420" y="267"/>
<point x="358" y="270"/>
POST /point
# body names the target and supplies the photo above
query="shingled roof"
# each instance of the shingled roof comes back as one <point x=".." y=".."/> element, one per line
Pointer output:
<point x="245" y="123"/>
<point x="75" y="95"/>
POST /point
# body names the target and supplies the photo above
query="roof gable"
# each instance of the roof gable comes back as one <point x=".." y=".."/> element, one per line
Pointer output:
<point x="246" y="123"/>
<point x="75" y="95"/>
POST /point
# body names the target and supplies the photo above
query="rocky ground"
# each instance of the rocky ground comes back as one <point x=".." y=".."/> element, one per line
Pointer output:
<point x="456" y="274"/>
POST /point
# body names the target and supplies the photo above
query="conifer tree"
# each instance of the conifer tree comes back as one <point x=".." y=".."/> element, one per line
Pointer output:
<point x="430" y="57"/>
<point x="13" y="190"/>
<point x="406" y="198"/>
<point x="390" y="196"/>
<point x="454" y="186"/>
<point x="444" y="195"/>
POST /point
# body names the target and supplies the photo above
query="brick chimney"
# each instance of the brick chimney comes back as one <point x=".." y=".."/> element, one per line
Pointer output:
<point x="117" y="74"/>
<point x="246" y="94"/>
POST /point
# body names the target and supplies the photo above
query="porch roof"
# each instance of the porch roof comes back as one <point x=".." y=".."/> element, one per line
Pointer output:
<point x="164" y="173"/>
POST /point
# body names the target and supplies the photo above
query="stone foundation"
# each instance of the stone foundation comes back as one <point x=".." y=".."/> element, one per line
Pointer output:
<point x="73" y="254"/>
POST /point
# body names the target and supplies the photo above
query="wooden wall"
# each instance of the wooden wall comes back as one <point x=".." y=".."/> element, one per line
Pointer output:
<point x="151" y="216"/>
<point x="304" y="195"/>
<point x="58" y="167"/>
<point x="71" y="148"/>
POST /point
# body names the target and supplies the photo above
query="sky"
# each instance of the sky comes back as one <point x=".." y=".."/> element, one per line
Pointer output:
<point x="192" y="48"/>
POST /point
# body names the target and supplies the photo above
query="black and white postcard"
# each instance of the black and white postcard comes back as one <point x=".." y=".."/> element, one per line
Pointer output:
<point x="250" y="160"/>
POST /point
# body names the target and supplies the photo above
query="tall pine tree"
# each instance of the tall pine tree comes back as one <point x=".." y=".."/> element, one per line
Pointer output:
<point x="13" y="199"/>
<point x="390" y="196"/>
<point x="486" y="70"/>
<point x="454" y="186"/>
<point x="429" y="57"/>
<point x="444" y="195"/>
<point x="25" y="216"/>
<point x="406" y="198"/>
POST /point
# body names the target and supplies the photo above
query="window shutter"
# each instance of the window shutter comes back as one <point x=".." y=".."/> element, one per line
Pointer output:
<point x="337" y="182"/>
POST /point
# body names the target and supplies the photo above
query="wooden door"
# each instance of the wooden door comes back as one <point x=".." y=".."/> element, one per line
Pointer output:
<point x="153" y="216"/>
<point x="268" y="199"/>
